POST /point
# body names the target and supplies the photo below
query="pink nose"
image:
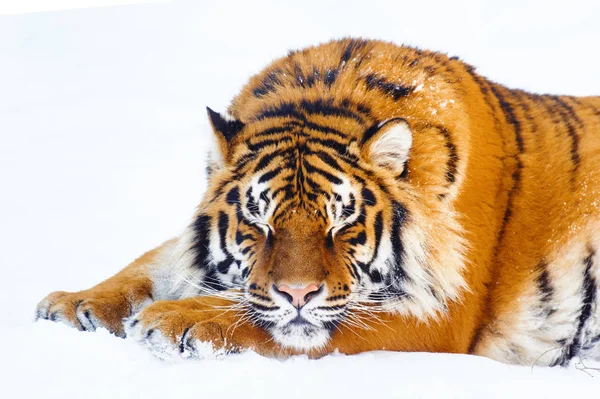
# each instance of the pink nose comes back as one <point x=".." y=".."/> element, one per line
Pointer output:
<point x="298" y="296"/>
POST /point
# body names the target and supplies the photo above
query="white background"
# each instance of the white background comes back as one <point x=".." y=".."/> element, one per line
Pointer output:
<point x="103" y="136"/>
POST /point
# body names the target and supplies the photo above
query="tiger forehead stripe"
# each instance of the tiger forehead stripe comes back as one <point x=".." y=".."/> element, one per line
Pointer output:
<point x="325" y="107"/>
<point x="394" y="90"/>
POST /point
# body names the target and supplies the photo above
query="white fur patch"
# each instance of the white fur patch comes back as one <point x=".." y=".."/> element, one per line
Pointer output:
<point x="393" y="145"/>
<point x="432" y="279"/>
<point x="540" y="332"/>
<point x="173" y="276"/>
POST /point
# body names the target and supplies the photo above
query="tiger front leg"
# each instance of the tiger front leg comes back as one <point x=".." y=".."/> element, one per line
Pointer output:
<point x="198" y="327"/>
<point x="110" y="302"/>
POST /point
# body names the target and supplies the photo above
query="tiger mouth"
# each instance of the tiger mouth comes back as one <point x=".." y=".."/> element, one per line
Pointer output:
<point x="301" y="321"/>
<point x="299" y="333"/>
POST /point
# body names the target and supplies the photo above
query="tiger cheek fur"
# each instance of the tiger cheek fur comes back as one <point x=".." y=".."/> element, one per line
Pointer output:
<point x="367" y="196"/>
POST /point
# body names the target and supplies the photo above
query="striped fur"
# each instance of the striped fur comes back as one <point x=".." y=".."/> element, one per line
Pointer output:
<point x="435" y="209"/>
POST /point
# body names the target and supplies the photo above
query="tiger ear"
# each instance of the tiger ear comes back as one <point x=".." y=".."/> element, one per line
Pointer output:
<point x="388" y="144"/>
<point x="225" y="131"/>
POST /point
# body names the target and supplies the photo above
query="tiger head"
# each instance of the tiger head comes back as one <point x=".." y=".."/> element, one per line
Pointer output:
<point x="319" y="207"/>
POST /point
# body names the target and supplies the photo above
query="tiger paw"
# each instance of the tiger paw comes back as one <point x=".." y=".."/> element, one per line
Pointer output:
<point x="194" y="328"/>
<point x="92" y="309"/>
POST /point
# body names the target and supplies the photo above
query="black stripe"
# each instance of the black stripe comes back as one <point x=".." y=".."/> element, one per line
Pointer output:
<point x="245" y="250"/>
<point x="245" y="272"/>
<point x="479" y="81"/>
<point x="336" y="307"/>
<point x="328" y="160"/>
<point x="287" y="190"/>
<point x="286" y="154"/>
<point x="268" y="85"/>
<point x="543" y="282"/>
<point x="276" y="130"/>
<point x="233" y="196"/>
<point x="509" y="114"/>
<point x="285" y="110"/>
<point x="348" y="210"/>
<point x="264" y="308"/>
<point x="399" y="218"/>
<point x="240" y="238"/>
<point x="313" y="77"/>
<point x="212" y="281"/>
<point x="335" y="298"/>
<point x="325" y="129"/>
<point x="359" y="239"/>
<point x="394" y="90"/>
<point x="340" y="148"/>
<point x="330" y="76"/>
<point x="451" y="167"/>
<point x="378" y="227"/>
<point x="300" y="79"/>
<point x="255" y="147"/>
<point x="223" y="266"/>
<point x="282" y="211"/>
<point x="353" y="271"/>
<point x="545" y="290"/>
<point x="314" y="186"/>
<point x="350" y="51"/>
<point x="525" y="97"/>
<point x="362" y="217"/>
<point x="376" y="276"/>
<point x="570" y="110"/>
<point x="316" y="107"/>
<point x="270" y="175"/>
<point x="313" y="169"/>
<point x="241" y="161"/>
<point x="326" y="108"/>
<point x="266" y="159"/>
<point x="263" y="196"/>
<point x="201" y="228"/>
<point x="223" y="227"/>
<point x="251" y="204"/>
<point x="369" y="133"/>
<point x="363" y="109"/>
<point x="568" y="114"/>
<point x="368" y="197"/>
<point x="364" y="267"/>
<point x="484" y="87"/>
<point x="589" y="288"/>
<point x="261" y="297"/>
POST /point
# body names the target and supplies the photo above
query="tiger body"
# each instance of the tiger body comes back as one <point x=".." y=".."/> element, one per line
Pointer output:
<point x="431" y="209"/>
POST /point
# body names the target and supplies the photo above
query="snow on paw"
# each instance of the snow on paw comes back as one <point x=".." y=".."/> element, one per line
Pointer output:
<point x="159" y="333"/>
<point x="205" y="341"/>
<point x="171" y="331"/>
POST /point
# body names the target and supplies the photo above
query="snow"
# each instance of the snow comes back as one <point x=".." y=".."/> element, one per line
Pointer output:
<point x="103" y="141"/>
<point x="60" y="361"/>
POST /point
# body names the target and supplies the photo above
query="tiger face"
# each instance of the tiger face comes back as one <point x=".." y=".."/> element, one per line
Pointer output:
<point x="309" y="223"/>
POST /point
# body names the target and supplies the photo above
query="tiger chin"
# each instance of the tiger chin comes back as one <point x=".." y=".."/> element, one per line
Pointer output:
<point x="366" y="196"/>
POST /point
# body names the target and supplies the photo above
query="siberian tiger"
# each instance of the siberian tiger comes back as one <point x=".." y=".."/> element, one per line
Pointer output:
<point x="366" y="196"/>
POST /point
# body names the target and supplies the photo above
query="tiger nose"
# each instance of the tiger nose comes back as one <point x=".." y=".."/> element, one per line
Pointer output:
<point x="298" y="297"/>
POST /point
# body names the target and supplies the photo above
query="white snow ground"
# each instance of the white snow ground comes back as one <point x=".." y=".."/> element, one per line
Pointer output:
<point x="103" y="133"/>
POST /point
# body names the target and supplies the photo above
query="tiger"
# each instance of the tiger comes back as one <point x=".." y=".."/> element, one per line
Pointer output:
<point x="368" y="196"/>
